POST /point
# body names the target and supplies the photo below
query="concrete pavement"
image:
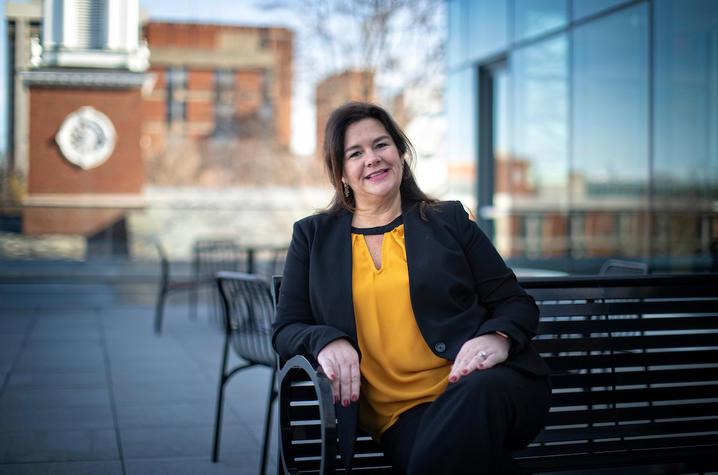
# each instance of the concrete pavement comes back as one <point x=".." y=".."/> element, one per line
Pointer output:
<point x="87" y="387"/>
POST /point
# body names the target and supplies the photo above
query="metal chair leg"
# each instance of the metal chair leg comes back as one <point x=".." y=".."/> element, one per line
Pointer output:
<point x="159" y="310"/>
<point x="268" y="421"/>
<point x="193" y="301"/>
<point x="220" y="402"/>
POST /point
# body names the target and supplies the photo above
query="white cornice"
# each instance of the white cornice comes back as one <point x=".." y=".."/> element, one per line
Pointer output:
<point x="84" y="78"/>
<point x="89" y="200"/>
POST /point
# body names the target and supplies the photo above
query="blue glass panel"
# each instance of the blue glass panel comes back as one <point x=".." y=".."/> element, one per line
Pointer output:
<point x="686" y="100"/>
<point x="457" y="38"/>
<point x="610" y="172"/>
<point x="610" y="98"/>
<point x="535" y="174"/>
<point x="584" y="8"/>
<point x="540" y="117"/>
<point x="488" y="31"/>
<point x="461" y="104"/>
<point x="534" y="17"/>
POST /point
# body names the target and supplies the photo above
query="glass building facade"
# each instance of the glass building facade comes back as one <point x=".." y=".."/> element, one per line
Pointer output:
<point x="592" y="126"/>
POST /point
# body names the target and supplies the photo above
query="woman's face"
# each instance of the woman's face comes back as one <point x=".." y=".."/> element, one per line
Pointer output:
<point x="372" y="165"/>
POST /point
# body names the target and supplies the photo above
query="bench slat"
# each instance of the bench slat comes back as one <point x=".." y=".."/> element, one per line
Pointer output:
<point x="638" y="376"/>
<point x="582" y="416"/>
<point x="623" y="343"/>
<point x="548" y="327"/>
<point x="627" y="308"/>
<point x="560" y="362"/>
<point x="618" y="395"/>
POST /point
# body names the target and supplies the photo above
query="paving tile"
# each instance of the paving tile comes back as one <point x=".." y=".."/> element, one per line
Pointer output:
<point x="163" y="392"/>
<point x="11" y="342"/>
<point x="61" y="346"/>
<point x="61" y="356"/>
<point x="57" y="445"/>
<point x="186" y="442"/>
<point x="30" y="398"/>
<point x="55" y="380"/>
<point x="59" y="364"/>
<point x="171" y="415"/>
<point x="124" y="376"/>
<point x="15" y="322"/>
<point x="157" y="366"/>
<point x="11" y="302"/>
<point x="240" y="464"/>
<point x="63" y="468"/>
<point x="43" y="418"/>
<point x="9" y="348"/>
<point x="69" y="336"/>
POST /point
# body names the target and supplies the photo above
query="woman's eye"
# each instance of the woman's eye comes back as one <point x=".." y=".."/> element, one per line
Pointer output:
<point x="353" y="154"/>
<point x="382" y="145"/>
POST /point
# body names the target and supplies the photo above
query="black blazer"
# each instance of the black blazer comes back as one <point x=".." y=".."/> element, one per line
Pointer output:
<point x="460" y="288"/>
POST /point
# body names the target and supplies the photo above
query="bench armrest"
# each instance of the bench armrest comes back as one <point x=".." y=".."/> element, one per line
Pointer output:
<point x="307" y="420"/>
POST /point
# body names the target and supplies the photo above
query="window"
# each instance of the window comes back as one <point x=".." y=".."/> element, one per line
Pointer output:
<point x="224" y="101"/>
<point x="538" y="161"/>
<point x="488" y="29"/>
<point x="584" y="8"/>
<point x="610" y="166"/>
<point x="534" y="17"/>
<point x="176" y="85"/>
<point x="685" y="135"/>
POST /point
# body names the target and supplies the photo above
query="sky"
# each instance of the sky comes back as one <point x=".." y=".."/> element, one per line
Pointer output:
<point x="243" y="12"/>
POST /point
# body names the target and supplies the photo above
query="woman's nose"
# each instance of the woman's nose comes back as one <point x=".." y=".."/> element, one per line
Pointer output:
<point x="371" y="158"/>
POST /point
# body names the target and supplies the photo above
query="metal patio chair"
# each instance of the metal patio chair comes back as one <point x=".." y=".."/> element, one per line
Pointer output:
<point x="248" y="309"/>
<point x="168" y="285"/>
<point x="209" y="256"/>
<point x="623" y="267"/>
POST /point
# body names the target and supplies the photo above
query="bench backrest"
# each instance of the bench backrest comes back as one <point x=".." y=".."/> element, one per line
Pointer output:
<point x="634" y="363"/>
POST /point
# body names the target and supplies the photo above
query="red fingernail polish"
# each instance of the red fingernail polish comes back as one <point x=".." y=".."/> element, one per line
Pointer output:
<point x="464" y="371"/>
<point x="345" y="403"/>
<point x="355" y="398"/>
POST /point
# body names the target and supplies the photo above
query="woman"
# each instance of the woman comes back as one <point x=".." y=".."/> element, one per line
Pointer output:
<point x="410" y="312"/>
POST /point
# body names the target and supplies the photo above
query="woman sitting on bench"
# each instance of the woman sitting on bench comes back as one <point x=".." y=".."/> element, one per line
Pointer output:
<point x="410" y="312"/>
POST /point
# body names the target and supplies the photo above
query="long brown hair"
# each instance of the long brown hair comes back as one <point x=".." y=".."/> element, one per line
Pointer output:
<point x="336" y="128"/>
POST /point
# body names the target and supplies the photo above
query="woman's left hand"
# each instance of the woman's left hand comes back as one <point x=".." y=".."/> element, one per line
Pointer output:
<point x="482" y="352"/>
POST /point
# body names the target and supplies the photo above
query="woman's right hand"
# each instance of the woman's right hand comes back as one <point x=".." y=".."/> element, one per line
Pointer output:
<point x="340" y="363"/>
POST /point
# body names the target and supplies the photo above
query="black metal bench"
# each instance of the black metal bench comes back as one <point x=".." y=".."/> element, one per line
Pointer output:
<point x="634" y="363"/>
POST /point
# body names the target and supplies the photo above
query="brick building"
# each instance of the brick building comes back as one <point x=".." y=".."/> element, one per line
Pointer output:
<point x="220" y="91"/>
<point x="337" y="89"/>
<point x="94" y="120"/>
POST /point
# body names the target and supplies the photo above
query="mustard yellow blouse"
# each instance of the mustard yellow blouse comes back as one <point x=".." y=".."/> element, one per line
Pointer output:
<point x="399" y="370"/>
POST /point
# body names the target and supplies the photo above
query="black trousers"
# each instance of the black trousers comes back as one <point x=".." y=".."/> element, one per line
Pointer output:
<point x="472" y="427"/>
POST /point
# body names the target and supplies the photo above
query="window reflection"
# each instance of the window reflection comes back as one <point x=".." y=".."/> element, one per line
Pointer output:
<point x="610" y="129"/>
<point x="456" y="41"/>
<point x="686" y="126"/>
<point x="534" y="173"/>
<point x="686" y="100"/>
<point x="461" y="136"/>
<point x="534" y="17"/>
<point x="488" y="32"/>
<point x="584" y="8"/>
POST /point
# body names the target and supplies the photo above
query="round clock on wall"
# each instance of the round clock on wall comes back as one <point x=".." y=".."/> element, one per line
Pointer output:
<point x="86" y="138"/>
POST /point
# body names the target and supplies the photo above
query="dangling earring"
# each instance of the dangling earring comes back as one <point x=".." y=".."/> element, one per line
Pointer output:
<point x="346" y="190"/>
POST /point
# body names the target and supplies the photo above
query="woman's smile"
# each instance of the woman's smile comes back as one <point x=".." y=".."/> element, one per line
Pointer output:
<point x="377" y="175"/>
